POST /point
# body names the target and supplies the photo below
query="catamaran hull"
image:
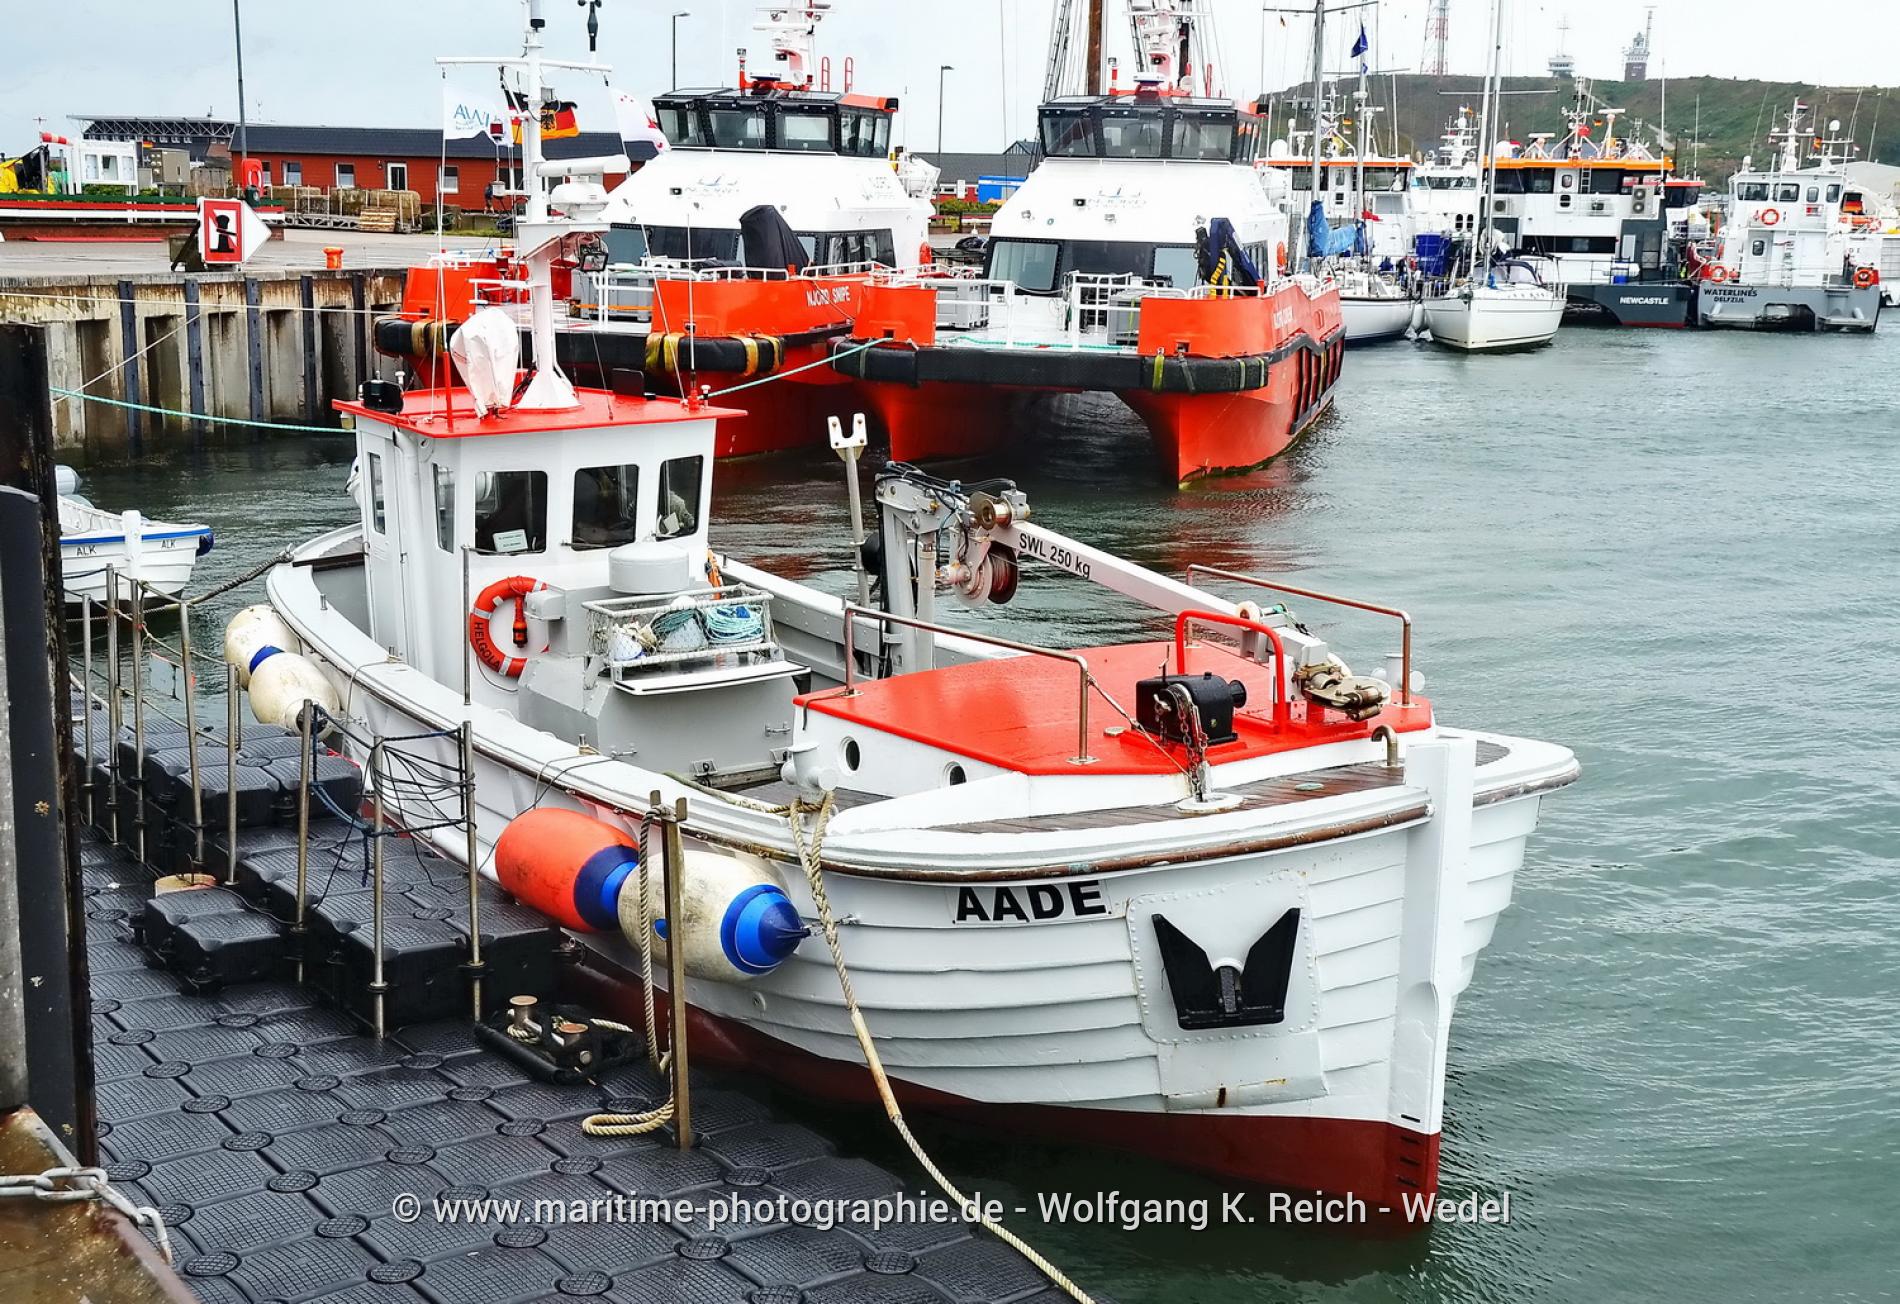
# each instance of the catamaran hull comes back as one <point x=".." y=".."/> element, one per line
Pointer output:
<point x="1670" y="305"/>
<point x="1788" y="308"/>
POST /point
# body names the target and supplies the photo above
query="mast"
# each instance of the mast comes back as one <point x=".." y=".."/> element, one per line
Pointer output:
<point x="1319" y="105"/>
<point x="1092" y="76"/>
<point x="1487" y="151"/>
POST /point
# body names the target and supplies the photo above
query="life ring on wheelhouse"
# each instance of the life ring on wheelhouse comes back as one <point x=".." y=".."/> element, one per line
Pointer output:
<point x="1865" y="278"/>
<point x="1717" y="272"/>
<point x="1769" y="217"/>
<point x="482" y="638"/>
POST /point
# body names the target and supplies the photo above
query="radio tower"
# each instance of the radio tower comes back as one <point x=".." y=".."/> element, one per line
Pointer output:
<point x="1437" y="36"/>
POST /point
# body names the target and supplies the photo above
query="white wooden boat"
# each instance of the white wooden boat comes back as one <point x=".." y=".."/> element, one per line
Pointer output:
<point x="93" y="541"/>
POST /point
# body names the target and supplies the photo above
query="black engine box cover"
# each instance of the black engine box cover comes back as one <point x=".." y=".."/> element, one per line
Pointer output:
<point x="1215" y="698"/>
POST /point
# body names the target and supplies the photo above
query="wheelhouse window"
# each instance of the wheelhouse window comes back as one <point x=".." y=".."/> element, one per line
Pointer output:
<point x="1110" y="258"/>
<point x="1606" y="181"/>
<point x="1133" y="133"/>
<point x="676" y="124"/>
<point x="511" y="512"/>
<point x="736" y="128"/>
<point x="1068" y="133"/>
<point x="1788" y="192"/>
<point x="1029" y="264"/>
<point x="1204" y="139"/>
<point x="1540" y="181"/>
<point x="804" y="131"/>
<point x="1752" y="192"/>
<point x="679" y="496"/>
<point x="1833" y="194"/>
<point x="626" y="244"/>
<point x="880" y="247"/>
<point x="444" y="508"/>
<point x="692" y="243"/>
<point x="606" y="506"/>
<point x="1177" y="266"/>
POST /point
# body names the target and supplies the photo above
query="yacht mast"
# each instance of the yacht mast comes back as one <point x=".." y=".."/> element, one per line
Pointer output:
<point x="1487" y="148"/>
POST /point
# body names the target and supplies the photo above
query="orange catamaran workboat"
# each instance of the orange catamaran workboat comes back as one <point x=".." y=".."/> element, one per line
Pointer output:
<point x="1144" y="258"/>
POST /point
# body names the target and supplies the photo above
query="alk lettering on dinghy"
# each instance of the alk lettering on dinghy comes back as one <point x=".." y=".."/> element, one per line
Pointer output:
<point x="1027" y="903"/>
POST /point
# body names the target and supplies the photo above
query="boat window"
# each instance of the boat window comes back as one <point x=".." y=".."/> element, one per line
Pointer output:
<point x="1385" y="179"/>
<point x="511" y="512"/>
<point x="813" y="243"/>
<point x="1510" y="181"/>
<point x="1606" y="181"/>
<point x="444" y="508"/>
<point x="1752" y="192"/>
<point x="1788" y="192"/>
<point x="1176" y="265"/>
<point x="806" y="132"/>
<point x="626" y="244"/>
<point x="735" y="129"/>
<point x="679" y="496"/>
<point x="689" y="244"/>
<point x="1132" y="135"/>
<point x="880" y="247"/>
<point x="881" y="140"/>
<point x="1109" y="258"/>
<point x="1759" y="248"/>
<point x="1833" y="194"/>
<point x="1539" y="181"/>
<point x="1814" y="194"/>
<point x="1030" y="264"/>
<point x="606" y="506"/>
<point x="378" y="500"/>
<point x="854" y="132"/>
<point x="1067" y="133"/>
<point x="1208" y="141"/>
<point x="676" y="125"/>
<point x="1301" y="179"/>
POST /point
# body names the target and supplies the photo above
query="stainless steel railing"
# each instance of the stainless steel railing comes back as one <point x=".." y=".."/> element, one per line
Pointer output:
<point x="1275" y="586"/>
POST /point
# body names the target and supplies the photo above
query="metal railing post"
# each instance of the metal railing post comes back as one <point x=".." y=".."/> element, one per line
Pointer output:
<point x="138" y="709"/>
<point x="191" y="735"/>
<point x="231" y="729"/>
<point x="1274" y="586"/>
<point x="377" y="986"/>
<point x="672" y="868"/>
<point x="475" y="964"/>
<point x="467" y="609"/>
<point x="304" y="759"/>
<point x="115" y="715"/>
<point x="85" y="702"/>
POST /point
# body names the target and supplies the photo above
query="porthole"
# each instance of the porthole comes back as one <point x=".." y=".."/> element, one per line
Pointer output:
<point x="953" y="774"/>
<point x="848" y="752"/>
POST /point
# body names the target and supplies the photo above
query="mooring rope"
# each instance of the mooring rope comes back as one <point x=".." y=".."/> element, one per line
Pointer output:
<point x="651" y="1120"/>
<point x="825" y="361"/>
<point x="194" y="416"/>
<point x="810" y="855"/>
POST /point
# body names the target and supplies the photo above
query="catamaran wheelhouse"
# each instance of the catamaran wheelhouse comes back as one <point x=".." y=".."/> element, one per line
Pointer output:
<point x="1786" y="260"/>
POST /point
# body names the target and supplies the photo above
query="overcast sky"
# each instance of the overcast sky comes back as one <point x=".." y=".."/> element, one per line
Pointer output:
<point x="367" y="62"/>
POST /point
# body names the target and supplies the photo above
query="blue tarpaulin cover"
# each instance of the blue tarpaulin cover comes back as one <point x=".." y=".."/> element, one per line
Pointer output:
<point x="1323" y="240"/>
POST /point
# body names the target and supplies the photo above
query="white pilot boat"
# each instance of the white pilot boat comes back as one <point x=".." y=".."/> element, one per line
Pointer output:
<point x="93" y="541"/>
<point x="1227" y="926"/>
<point x="1788" y="259"/>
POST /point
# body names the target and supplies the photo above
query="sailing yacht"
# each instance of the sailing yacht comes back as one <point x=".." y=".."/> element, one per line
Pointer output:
<point x="1496" y="305"/>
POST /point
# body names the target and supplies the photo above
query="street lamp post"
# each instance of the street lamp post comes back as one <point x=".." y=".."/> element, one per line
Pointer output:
<point x="676" y="47"/>
<point x="942" y="71"/>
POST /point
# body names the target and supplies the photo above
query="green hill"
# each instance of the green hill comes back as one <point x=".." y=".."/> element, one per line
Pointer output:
<point x="1736" y="115"/>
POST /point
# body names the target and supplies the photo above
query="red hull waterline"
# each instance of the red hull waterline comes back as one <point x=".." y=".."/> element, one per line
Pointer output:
<point x="1386" y="1167"/>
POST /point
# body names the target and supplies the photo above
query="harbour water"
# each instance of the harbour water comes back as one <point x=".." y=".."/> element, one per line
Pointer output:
<point x="1675" y="553"/>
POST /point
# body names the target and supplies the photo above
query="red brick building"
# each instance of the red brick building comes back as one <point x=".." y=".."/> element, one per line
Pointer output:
<point x="396" y="158"/>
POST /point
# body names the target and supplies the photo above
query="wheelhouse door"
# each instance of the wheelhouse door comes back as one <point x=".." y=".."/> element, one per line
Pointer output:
<point x="382" y="543"/>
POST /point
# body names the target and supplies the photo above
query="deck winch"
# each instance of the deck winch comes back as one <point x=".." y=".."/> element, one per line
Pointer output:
<point x="1194" y="710"/>
<point x="736" y="920"/>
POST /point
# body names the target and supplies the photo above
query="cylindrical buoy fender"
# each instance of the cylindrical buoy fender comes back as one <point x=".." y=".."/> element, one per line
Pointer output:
<point x="250" y="633"/>
<point x="282" y="682"/>
<point x="567" y="865"/>
<point x="737" y="923"/>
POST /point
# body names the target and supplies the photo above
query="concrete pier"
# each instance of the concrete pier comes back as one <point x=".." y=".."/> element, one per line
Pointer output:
<point x="274" y="342"/>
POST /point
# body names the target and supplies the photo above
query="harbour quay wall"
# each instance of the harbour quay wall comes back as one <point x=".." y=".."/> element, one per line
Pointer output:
<point x="272" y="346"/>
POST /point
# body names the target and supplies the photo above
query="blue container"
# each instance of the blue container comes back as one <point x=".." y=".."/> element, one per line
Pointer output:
<point x="1434" y="254"/>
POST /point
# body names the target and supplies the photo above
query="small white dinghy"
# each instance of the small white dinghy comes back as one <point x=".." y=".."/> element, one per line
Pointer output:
<point x="93" y="541"/>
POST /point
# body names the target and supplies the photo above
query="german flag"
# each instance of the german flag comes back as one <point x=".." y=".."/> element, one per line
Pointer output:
<point x="559" y="121"/>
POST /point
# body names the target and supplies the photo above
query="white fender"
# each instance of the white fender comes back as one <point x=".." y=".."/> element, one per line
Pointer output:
<point x="250" y="632"/>
<point x="283" y="682"/>
<point x="737" y="923"/>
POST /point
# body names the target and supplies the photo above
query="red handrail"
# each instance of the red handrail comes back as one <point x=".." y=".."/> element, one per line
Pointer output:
<point x="1282" y="713"/>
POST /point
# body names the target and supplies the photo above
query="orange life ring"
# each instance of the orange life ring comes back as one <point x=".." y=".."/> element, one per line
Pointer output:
<point x="1769" y="216"/>
<point x="1717" y="272"/>
<point x="1279" y="256"/>
<point x="1866" y="278"/>
<point x="482" y="638"/>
